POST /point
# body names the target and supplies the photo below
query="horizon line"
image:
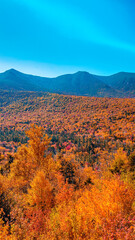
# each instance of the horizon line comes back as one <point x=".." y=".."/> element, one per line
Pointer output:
<point x="83" y="71"/>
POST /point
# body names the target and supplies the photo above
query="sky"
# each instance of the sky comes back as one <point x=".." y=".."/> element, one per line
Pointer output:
<point x="55" y="37"/>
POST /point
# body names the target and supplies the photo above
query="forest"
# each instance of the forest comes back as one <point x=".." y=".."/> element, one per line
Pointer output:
<point x="67" y="167"/>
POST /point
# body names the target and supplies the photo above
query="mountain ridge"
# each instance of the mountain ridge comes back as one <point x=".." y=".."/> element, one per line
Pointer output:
<point x="81" y="83"/>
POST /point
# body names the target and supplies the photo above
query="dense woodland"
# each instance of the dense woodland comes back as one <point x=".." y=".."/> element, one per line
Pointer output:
<point x="67" y="167"/>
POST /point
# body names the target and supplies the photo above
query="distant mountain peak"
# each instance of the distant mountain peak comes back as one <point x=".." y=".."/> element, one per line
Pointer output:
<point x="12" y="70"/>
<point x="80" y="83"/>
<point x="82" y="73"/>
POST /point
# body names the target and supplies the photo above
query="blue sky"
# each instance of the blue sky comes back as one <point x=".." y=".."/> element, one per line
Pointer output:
<point x="53" y="37"/>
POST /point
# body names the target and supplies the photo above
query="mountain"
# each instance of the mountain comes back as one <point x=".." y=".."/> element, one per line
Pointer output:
<point x="122" y="81"/>
<point x="80" y="83"/>
<point x="15" y="80"/>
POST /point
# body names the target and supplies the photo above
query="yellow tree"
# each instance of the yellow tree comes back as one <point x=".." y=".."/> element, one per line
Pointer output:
<point x="31" y="157"/>
<point x="40" y="194"/>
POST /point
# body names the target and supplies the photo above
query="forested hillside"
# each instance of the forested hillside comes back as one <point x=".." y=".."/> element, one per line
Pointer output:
<point x="67" y="167"/>
<point x="80" y="84"/>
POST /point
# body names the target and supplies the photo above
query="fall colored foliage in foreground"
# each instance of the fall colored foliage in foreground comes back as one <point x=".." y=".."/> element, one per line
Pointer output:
<point x="72" y="175"/>
<point x="61" y="196"/>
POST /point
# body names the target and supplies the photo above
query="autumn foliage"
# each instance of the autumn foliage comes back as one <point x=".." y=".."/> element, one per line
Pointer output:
<point x="76" y="182"/>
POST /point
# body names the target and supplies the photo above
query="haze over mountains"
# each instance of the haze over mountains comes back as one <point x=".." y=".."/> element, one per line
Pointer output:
<point x="81" y="83"/>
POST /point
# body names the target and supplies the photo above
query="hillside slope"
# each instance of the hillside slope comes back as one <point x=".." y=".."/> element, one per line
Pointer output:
<point x="123" y="81"/>
<point x="80" y="84"/>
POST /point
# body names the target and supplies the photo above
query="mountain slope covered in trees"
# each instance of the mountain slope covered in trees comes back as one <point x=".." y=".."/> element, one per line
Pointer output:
<point x="122" y="81"/>
<point x="67" y="167"/>
<point x="80" y="84"/>
<point x="74" y="177"/>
